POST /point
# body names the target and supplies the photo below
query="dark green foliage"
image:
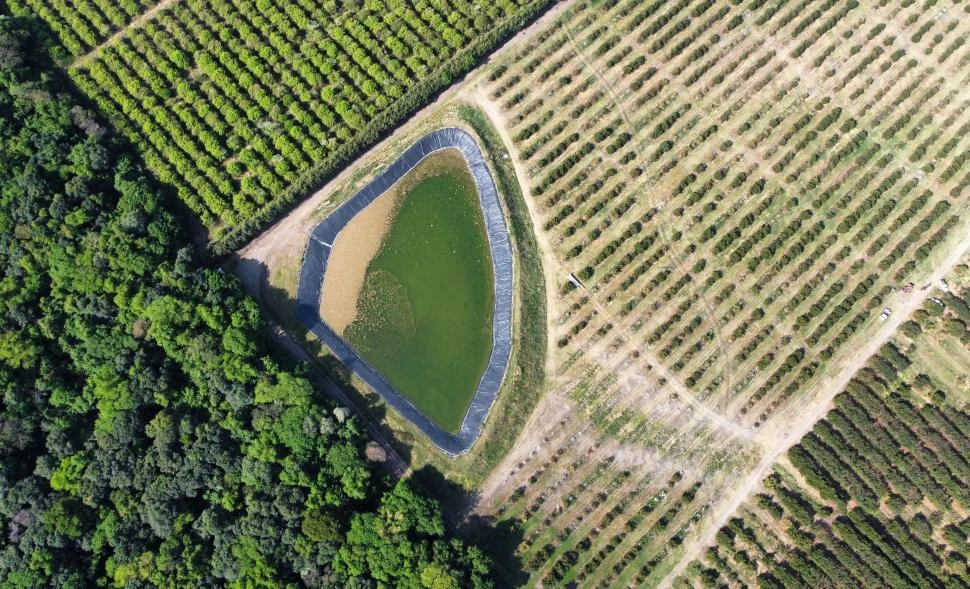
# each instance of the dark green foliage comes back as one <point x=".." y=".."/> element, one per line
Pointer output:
<point x="149" y="438"/>
<point x="911" y="329"/>
<point x="877" y="461"/>
<point x="245" y="107"/>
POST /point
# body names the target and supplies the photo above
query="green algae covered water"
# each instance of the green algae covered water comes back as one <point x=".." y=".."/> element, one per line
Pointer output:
<point x="424" y="314"/>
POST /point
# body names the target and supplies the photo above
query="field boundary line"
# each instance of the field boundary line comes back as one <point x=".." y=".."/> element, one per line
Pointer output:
<point x="679" y="262"/>
<point x="135" y="23"/>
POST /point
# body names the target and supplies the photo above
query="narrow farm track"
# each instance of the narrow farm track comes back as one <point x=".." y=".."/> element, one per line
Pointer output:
<point x="860" y="431"/>
<point x="789" y="427"/>
<point x="139" y="20"/>
<point x="833" y="384"/>
<point x="670" y="379"/>
<point x="679" y="262"/>
<point x="474" y="94"/>
<point x="943" y="356"/>
<point x="287" y="238"/>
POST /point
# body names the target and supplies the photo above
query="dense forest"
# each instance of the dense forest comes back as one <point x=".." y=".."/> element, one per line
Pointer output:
<point x="147" y="436"/>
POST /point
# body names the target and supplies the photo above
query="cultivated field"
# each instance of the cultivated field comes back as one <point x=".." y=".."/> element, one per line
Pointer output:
<point x="741" y="188"/>
<point x="877" y="493"/>
<point x="244" y="106"/>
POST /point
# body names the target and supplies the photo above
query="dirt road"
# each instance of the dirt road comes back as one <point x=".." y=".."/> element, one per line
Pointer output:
<point x="787" y="427"/>
<point x="135" y="22"/>
<point x="287" y="237"/>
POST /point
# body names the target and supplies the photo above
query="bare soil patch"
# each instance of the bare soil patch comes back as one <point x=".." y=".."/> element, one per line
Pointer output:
<point x="352" y="251"/>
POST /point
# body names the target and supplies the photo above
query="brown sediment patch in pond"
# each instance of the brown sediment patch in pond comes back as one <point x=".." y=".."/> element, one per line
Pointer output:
<point x="355" y="246"/>
<point x="361" y="239"/>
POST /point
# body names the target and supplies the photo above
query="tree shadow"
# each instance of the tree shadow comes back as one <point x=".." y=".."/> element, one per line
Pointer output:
<point x="498" y="539"/>
<point x="455" y="499"/>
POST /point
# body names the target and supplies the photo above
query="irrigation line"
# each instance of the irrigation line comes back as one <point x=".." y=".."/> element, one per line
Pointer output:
<point x="713" y="416"/>
<point x="814" y="85"/>
<point x="679" y="262"/>
<point x="644" y="189"/>
<point x="963" y="211"/>
<point x="794" y="107"/>
<point x="798" y="106"/>
<point x="828" y="87"/>
<point x="133" y="24"/>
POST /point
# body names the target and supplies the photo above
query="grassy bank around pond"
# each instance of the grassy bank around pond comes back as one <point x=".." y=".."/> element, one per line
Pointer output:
<point x="454" y="480"/>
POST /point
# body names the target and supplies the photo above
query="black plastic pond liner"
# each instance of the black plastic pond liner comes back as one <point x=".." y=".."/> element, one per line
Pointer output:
<point x="315" y="266"/>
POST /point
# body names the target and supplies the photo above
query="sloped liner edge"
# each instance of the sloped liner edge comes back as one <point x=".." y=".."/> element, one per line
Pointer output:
<point x="314" y="268"/>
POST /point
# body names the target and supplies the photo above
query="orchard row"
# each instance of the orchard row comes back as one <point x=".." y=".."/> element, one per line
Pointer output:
<point x="246" y="106"/>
